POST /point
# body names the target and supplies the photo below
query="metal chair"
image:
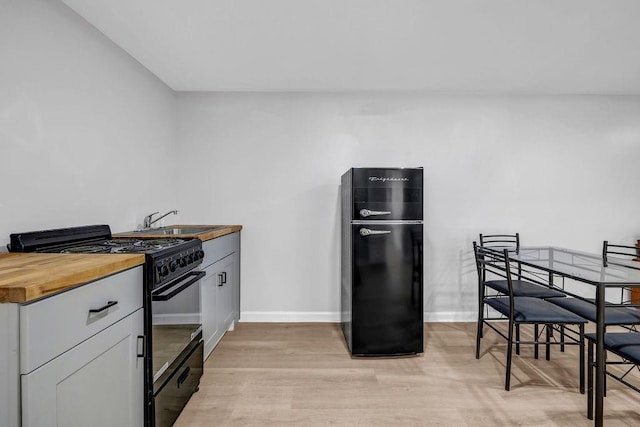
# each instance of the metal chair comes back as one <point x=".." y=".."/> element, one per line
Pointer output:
<point x="619" y="252"/>
<point x="521" y="288"/>
<point x="500" y="241"/>
<point x="521" y="310"/>
<point x="626" y="345"/>
<point x="615" y="314"/>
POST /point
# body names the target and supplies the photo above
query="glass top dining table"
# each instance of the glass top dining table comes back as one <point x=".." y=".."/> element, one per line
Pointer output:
<point x="581" y="266"/>
<point x="591" y="269"/>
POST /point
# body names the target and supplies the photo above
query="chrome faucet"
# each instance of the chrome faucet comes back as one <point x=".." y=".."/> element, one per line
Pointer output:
<point x="147" y="219"/>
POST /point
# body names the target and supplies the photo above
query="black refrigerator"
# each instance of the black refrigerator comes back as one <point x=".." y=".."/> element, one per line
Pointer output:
<point x="382" y="261"/>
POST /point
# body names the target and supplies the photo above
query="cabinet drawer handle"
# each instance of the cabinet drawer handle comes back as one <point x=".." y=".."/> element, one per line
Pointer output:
<point x="183" y="377"/>
<point x="103" y="308"/>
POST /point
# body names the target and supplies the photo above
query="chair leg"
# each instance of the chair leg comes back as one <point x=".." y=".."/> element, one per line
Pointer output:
<point x="507" y="383"/>
<point x="582" y="358"/>
<point x="604" y="380"/>
<point x="562" y="338"/>
<point x="479" y="330"/>
<point x="535" y="339"/>
<point x="547" y="352"/>
<point x="590" y="381"/>
<point x="518" y="339"/>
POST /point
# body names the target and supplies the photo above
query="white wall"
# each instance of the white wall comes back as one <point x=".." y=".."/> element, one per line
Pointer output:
<point x="561" y="170"/>
<point x="85" y="133"/>
<point x="85" y="130"/>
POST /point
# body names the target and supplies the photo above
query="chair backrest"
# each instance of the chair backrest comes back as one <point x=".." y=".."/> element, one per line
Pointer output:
<point x="509" y="241"/>
<point x="612" y="252"/>
<point x="494" y="261"/>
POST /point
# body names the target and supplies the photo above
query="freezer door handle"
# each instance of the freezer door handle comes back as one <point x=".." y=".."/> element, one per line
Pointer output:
<point x="368" y="232"/>
<point x="366" y="212"/>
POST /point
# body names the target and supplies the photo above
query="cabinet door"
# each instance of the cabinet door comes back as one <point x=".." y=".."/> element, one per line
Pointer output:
<point x="100" y="382"/>
<point x="209" y="291"/>
<point x="236" y="287"/>
<point x="226" y="281"/>
<point x="217" y="302"/>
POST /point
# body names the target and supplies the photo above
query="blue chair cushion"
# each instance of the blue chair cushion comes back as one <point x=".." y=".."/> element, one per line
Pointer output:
<point x="630" y="352"/>
<point x="625" y="344"/>
<point x="522" y="288"/>
<point x="534" y="310"/>
<point x="617" y="339"/>
<point x="587" y="309"/>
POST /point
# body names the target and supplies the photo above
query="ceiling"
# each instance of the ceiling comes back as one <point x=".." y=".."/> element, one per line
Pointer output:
<point x="440" y="46"/>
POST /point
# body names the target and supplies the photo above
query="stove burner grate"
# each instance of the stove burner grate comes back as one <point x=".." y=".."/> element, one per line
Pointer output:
<point x="122" y="246"/>
<point x="133" y="245"/>
<point x="87" y="249"/>
<point x="161" y="243"/>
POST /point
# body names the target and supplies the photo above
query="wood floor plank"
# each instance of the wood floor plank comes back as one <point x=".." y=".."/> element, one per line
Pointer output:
<point x="300" y="374"/>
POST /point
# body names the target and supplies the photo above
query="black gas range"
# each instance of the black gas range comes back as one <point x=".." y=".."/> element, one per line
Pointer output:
<point x="172" y="309"/>
<point x="166" y="258"/>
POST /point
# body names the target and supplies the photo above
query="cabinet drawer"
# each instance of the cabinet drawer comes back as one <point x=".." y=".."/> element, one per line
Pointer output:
<point x="53" y="325"/>
<point x="220" y="247"/>
<point x="177" y="390"/>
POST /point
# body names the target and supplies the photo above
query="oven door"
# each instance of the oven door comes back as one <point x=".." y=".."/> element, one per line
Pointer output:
<point x="176" y="324"/>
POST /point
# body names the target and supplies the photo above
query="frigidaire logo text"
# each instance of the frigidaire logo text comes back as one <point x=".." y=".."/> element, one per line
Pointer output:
<point x="386" y="178"/>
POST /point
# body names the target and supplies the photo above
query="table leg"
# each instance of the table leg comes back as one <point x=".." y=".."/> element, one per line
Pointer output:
<point x="590" y="381"/>
<point x="600" y="361"/>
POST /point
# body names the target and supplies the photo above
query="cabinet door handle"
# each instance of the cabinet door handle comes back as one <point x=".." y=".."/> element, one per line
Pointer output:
<point x="183" y="376"/>
<point x="220" y="279"/>
<point x="140" y="346"/>
<point x="103" y="308"/>
<point x="224" y="277"/>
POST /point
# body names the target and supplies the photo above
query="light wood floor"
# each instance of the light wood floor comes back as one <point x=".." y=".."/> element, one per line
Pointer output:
<point x="300" y="374"/>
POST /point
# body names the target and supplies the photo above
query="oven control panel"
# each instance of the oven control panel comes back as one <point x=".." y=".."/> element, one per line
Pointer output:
<point x="175" y="265"/>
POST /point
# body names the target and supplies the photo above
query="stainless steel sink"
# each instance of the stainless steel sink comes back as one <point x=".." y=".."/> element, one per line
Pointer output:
<point x="178" y="230"/>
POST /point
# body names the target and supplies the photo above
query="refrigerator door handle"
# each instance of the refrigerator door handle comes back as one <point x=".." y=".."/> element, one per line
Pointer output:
<point x="366" y="212"/>
<point x="368" y="232"/>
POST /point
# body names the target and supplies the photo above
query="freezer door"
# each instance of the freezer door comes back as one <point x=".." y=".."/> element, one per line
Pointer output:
<point x="387" y="289"/>
<point x="387" y="194"/>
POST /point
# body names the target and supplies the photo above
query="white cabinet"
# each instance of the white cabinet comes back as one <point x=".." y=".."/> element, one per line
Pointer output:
<point x="9" y="366"/>
<point x="226" y="285"/>
<point x="73" y="359"/>
<point x="220" y="288"/>
<point x="97" y="383"/>
<point x="209" y="291"/>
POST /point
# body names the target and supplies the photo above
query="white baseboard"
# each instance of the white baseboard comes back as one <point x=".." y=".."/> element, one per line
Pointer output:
<point x="290" y="316"/>
<point x="334" y="317"/>
<point x="451" y="316"/>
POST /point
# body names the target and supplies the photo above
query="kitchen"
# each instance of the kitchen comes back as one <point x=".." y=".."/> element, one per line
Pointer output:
<point x="88" y="135"/>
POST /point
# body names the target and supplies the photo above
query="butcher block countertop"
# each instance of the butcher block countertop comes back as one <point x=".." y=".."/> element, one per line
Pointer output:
<point x="27" y="276"/>
<point x="214" y="232"/>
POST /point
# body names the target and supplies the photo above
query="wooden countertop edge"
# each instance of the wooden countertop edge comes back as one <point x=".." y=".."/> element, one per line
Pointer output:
<point x="218" y="233"/>
<point x="32" y="282"/>
<point x="204" y="236"/>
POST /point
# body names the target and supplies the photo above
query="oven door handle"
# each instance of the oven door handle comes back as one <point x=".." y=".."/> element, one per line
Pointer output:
<point x="177" y="287"/>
